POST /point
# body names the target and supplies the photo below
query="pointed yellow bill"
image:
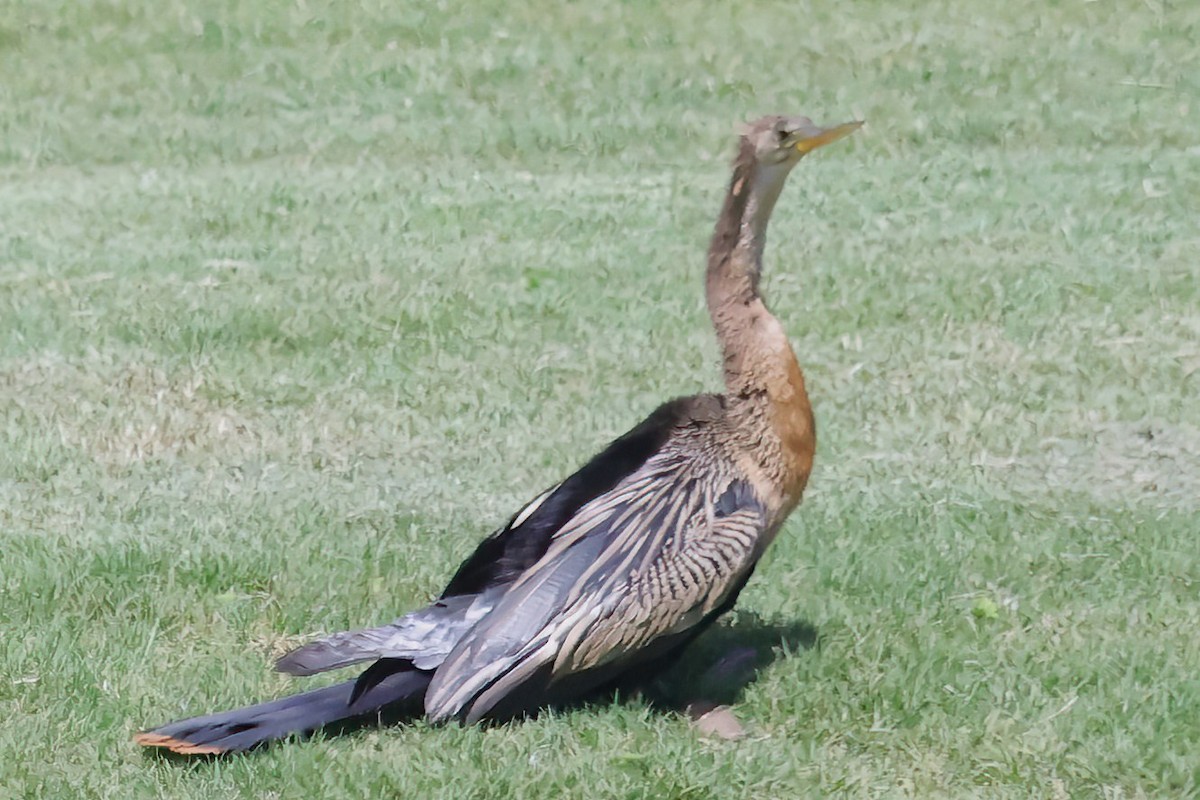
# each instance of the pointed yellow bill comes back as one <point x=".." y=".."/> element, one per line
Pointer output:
<point x="814" y="137"/>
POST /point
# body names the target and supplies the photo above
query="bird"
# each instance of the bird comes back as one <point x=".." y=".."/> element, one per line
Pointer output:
<point x="610" y="573"/>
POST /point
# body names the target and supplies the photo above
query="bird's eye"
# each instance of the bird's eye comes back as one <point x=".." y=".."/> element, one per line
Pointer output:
<point x="781" y="134"/>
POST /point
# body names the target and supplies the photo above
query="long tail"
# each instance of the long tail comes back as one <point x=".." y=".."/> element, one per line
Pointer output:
<point x="398" y="693"/>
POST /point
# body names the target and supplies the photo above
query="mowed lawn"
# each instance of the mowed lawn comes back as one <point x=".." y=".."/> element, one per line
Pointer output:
<point x="299" y="300"/>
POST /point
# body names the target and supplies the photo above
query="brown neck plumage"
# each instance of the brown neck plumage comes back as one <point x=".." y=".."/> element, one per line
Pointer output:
<point x="729" y="281"/>
<point x="761" y="371"/>
<point x="745" y="328"/>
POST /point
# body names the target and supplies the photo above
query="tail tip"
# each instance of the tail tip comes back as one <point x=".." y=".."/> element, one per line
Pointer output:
<point x="181" y="746"/>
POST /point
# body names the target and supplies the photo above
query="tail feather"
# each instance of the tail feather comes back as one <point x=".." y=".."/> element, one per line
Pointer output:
<point x="399" y="693"/>
<point x="423" y="637"/>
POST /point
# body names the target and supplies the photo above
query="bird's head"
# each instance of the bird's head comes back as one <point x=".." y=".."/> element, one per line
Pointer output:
<point x="785" y="140"/>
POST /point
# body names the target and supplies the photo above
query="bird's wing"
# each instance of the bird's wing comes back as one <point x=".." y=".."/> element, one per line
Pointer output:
<point x="503" y="556"/>
<point x="642" y="564"/>
<point x="427" y="635"/>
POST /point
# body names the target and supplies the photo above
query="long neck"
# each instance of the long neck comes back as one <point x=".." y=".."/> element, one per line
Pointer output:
<point x="746" y="330"/>
<point x="768" y="404"/>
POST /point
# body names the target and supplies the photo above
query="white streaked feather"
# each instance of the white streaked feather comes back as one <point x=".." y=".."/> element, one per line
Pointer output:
<point x="526" y="512"/>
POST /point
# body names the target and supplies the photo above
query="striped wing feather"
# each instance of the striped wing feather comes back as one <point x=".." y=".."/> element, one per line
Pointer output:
<point x="503" y="556"/>
<point x="644" y="563"/>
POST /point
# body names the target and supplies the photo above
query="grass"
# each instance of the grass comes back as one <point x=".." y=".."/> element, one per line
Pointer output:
<point x="299" y="300"/>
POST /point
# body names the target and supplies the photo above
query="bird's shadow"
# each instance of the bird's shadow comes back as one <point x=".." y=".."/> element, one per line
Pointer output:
<point x="717" y="667"/>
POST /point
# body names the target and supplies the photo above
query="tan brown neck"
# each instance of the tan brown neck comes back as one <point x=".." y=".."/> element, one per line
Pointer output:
<point x="761" y="372"/>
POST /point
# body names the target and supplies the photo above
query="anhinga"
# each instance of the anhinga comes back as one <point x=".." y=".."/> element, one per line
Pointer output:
<point x="621" y="564"/>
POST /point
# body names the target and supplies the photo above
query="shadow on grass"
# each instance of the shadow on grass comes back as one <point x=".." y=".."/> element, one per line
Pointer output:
<point x="713" y="670"/>
<point x="724" y="660"/>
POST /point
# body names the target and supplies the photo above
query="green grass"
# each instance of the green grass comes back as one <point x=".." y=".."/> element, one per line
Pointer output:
<point x="298" y="300"/>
